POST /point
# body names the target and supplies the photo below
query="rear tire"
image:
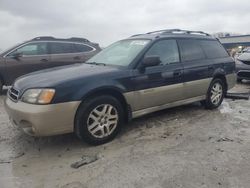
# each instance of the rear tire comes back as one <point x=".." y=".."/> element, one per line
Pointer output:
<point x="215" y="94"/>
<point x="99" y="119"/>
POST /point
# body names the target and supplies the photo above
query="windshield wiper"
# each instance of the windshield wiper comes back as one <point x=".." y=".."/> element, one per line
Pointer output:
<point x="94" y="63"/>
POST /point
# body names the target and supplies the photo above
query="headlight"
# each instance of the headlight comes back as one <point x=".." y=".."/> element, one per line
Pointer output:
<point x="38" y="96"/>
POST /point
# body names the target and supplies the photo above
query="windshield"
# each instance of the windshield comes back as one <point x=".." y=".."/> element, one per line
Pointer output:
<point x="121" y="53"/>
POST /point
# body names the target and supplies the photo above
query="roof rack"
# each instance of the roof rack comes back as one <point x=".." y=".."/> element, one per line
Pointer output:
<point x="78" y="39"/>
<point x="136" y="35"/>
<point x="75" y="39"/>
<point x="164" y="31"/>
<point x="43" y="38"/>
<point x="175" y="31"/>
<point x="185" y="32"/>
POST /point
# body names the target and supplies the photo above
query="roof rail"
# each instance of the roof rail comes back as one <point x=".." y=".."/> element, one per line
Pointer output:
<point x="43" y="38"/>
<point x="78" y="39"/>
<point x="175" y="31"/>
<point x="179" y="31"/>
<point x="136" y="35"/>
<point x="164" y="30"/>
<point x="75" y="39"/>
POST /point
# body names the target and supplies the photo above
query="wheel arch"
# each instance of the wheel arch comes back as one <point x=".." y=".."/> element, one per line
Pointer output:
<point x="220" y="74"/>
<point x="223" y="78"/>
<point x="112" y="91"/>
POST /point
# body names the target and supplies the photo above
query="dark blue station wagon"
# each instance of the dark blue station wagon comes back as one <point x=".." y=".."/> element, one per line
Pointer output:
<point x="130" y="78"/>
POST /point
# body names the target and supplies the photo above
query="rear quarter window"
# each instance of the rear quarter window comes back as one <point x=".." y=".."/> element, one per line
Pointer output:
<point x="213" y="49"/>
<point x="191" y="50"/>
<point x="83" y="48"/>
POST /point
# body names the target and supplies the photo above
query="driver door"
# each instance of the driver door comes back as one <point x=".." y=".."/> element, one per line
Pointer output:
<point x="26" y="59"/>
<point x="161" y="84"/>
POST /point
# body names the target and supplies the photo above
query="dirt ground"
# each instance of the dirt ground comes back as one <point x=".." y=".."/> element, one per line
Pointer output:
<point x="186" y="146"/>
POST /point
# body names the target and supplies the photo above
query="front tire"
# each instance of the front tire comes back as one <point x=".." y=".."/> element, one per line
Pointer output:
<point x="99" y="119"/>
<point x="215" y="94"/>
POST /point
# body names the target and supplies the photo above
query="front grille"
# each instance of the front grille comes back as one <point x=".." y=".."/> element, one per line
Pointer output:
<point x="13" y="94"/>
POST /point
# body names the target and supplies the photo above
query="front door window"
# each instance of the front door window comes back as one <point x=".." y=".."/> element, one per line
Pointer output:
<point x="31" y="49"/>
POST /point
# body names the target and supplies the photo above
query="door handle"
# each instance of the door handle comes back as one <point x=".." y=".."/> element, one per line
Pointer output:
<point x="177" y="73"/>
<point x="77" y="58"/>
<point x="44" y="60"/>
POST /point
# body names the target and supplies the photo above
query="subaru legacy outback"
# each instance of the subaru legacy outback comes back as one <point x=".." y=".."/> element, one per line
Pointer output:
<point x="130" y="78"/>
<point x="42" y="53"/>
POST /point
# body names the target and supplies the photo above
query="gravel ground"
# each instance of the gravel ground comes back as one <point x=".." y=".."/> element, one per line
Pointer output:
<point x="186" y="146"/>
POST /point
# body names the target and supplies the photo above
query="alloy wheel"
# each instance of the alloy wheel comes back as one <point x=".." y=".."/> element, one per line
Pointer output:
<point x="102" y="121"/>
<point x="216" y="93"/>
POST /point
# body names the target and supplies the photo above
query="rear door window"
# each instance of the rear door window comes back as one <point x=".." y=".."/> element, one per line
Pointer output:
<point x="191" y="50"/>
<point x="213" y="49"/>
<point x="167" y="50"/>
<point x="61" y="48"/>
<point x="82" y="48"/>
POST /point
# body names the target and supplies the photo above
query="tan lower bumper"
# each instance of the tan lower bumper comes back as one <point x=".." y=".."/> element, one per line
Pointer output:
<point x="42" y="120"/>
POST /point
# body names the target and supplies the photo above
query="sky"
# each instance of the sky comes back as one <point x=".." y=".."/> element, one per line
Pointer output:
<point x="106" y="21"/>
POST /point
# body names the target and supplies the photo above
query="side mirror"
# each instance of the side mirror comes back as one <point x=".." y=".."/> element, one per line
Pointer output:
<point x="17" y="55"/>
<point x="149" y="61"/>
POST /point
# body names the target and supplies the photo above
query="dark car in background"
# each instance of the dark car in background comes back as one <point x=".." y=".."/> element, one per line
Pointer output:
<point x="42" y="53"/>
<point x="132" y="77"/>
<point x="243" y="66"/>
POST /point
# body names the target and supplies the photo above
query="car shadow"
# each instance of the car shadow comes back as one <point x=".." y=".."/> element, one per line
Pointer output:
<point x="166" y="115"/>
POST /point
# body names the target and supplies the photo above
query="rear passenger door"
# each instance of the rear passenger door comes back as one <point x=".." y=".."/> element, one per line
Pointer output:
<point x="66" y="53"/>
<point x="161" y="84"/>
<point x="196" y="68"/>
<point x="61" y="53"/>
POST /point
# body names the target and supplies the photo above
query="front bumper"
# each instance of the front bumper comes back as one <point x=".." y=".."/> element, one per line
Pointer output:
<point x="42" y="120"/>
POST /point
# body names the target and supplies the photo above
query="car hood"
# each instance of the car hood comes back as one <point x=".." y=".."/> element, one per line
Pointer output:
<point x="55" y="76"/>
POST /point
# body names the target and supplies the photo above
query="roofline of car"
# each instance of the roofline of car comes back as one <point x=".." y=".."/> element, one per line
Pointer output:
<point x="169" y="35"/>
<point x="36" y="41"/>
